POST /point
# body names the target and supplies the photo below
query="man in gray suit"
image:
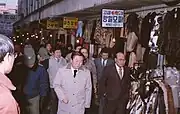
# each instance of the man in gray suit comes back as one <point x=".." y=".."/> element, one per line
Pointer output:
<point x="73" y="86"/>
<point x="103" y="61"/>
<point x="100" y="63"/>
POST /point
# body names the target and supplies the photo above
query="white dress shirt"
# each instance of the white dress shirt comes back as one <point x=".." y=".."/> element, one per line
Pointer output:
<point x="73" y="70"/>
<point x="105" y="62"/>
<point x="118" y="70"/>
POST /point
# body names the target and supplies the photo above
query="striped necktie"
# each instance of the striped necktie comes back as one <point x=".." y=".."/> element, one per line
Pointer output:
<point x="120" y="72"/>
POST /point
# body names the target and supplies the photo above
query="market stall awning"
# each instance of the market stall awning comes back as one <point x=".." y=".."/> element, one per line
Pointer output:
<point x="87" y="8"/>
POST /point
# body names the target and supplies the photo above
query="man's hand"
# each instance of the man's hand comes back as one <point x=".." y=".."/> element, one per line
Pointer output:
<point x="65" y="100"/>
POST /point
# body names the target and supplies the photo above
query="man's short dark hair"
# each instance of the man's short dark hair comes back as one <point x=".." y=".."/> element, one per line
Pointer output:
<point x="6" y="46"/>
<point x="115" y="55"/>
<point x="105" y="50"/>
<point x="47" y="44"/>
<point x="76" y="54"/>
<point x="56" y="48"/>
<point x="85" y="49"/>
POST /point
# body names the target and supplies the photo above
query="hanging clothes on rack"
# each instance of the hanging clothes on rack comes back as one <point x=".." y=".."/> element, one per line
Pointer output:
<point x="172" y="78"/>
<point x="154" y="35"/>
<point x="132" y="38"/>
<point x="169" y="42"/>
<point x="102" y="36"/>
<point x="131" y="48"/>
<point x="88" y="31"/>
<point x="160" y="38"/>
<point x="146" y="40"/>
<point x="146" y="30"/>
<point x="150" y="95"/>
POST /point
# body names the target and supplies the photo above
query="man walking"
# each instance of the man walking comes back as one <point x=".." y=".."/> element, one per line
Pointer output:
<point x="103" y="61"/>
<point x="55" y="62"/>
<point x="100" y="63"/>
<point x="115" y="86"/>
<point x="36" y="84"/>
<point x="73" y="86"/>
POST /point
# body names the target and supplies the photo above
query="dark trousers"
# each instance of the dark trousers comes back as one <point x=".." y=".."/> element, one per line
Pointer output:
<point x="101" y="105"/>
<point x="53" y="102"/>
<point x="114" y="107"/>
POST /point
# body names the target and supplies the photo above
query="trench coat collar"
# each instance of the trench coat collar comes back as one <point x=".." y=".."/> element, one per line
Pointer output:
<point x="69" y="67"/>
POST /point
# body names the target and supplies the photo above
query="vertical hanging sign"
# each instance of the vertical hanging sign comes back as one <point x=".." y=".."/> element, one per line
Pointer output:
<point x="112" y="18"/>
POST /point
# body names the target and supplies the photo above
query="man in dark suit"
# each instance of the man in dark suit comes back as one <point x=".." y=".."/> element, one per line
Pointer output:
<point x="115" y="85"/>
<point x="103" y="61"/>
<point x="100" y="63"/>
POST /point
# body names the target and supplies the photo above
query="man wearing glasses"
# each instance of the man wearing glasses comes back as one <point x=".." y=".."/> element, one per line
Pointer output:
<point x="114" y="86"/>
<point x="8" y="104"/>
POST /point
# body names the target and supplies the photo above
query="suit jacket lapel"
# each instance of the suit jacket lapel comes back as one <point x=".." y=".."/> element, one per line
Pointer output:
<point x="107" y="62"/>
<point x="100" y="63"/>
<point x="124" y="74"/>
<point x="116" y="72"/>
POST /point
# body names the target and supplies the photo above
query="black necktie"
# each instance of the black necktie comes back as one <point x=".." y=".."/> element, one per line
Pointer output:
<point x="75" y="71"/>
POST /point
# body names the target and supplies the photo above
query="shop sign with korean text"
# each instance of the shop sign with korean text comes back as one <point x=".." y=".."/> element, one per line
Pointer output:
<point x="112" y="18"/>
<point x="51" y="24"/>
<point x="70" y="22"/>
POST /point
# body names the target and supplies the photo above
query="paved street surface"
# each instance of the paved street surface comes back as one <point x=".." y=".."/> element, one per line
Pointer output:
<point x="92" y="110"/>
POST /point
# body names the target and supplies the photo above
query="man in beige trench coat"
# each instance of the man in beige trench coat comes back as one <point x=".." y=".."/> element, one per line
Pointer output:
<point x="73" y="86"/>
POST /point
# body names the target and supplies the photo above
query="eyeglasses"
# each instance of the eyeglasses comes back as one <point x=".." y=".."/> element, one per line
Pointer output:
<point x="121" y="59"/>
<point x="14" y="55"/>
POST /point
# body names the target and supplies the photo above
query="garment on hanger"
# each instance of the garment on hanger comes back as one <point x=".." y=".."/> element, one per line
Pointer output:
<point x="155" y="34"/>
<point x="102" y="36"/>
<point x="168" y="41"/>
<point x="150" y="96"/>
<point x="108" y="37"/>
<point x="145" y="31"/>
<point x="139" y="53"/>
<point x="88" y="31"/>
<point x="79" y="31"/>
<point x="131" y="41"/>
<point x="132" y="23"/>
<point x="139" y="49"/>
<point x="132" y="59"/>
<point x="132" y="38"/>
<point x="172" y="78"/>
<point x="161" y="61"/>
<point x="153" y="103"/>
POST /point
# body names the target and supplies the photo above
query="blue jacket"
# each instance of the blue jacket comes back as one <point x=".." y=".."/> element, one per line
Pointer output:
<point x="36" y="83"/>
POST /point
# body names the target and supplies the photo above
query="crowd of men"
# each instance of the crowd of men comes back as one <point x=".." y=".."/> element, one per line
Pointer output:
<point x="56" y="80"/>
